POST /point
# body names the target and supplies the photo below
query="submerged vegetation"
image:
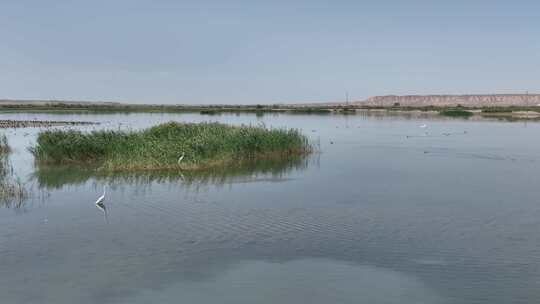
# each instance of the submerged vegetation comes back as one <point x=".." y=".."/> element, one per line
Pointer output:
<point x="171" y="145"/>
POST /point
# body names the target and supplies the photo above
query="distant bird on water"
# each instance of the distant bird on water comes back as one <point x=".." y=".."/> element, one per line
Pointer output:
<point x="423" y="126"/>
<point x="181" y="157"/>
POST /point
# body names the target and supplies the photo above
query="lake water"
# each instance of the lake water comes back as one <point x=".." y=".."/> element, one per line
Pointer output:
<point x="384" y="212"/>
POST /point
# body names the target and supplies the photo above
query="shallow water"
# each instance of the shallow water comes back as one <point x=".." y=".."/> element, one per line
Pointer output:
<point x="385" y="213"/>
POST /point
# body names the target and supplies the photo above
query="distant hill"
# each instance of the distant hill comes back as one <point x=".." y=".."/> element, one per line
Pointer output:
<point x="487" y="100"/>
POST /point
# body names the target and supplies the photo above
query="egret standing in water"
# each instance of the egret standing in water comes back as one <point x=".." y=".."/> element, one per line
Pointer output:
<point x="101" y="206"/>
<point x="181" y="157"/>
<point x="102" y="197"/>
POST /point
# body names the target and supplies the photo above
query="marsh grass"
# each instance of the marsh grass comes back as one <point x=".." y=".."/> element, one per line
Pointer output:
<point x="456" y="112"/>
<point x="4" y="145"/>
<point x="311" y="110"/>
<point x="12" y="190"/>
<point x="497" y="110"/>
<point x="205" y="145"/>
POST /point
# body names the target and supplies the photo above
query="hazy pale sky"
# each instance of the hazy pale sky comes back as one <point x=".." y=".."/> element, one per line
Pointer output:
<point x="265" y="52"/>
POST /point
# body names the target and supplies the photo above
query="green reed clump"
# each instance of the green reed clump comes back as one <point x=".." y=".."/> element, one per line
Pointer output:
<point x="456" y="113"/>
<point x="159" y="147"/>
<point x="310" y="111"/>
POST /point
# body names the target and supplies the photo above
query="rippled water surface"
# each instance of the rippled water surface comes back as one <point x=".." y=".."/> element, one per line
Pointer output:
<point x="384" y="212"/>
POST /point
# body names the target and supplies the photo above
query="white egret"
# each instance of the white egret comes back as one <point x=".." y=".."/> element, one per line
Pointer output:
<point x="181" y="157"/>
<point x="102" y="197"/>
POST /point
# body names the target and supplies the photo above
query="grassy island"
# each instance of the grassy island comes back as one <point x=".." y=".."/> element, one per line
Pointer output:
<point x="203" y="145"/>
<point x="456" y="113"/>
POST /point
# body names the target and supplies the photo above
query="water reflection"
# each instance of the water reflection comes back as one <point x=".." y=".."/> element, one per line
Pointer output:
<point x="101" y="206"/>
<point x="296" y="281"/>
<point x="269" y="170"/>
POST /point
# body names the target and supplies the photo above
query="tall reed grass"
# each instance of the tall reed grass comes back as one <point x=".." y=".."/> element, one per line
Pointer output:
<point x="159" y="147"/>
<point x="12" y="190"/>
<point x="4" y="145"/>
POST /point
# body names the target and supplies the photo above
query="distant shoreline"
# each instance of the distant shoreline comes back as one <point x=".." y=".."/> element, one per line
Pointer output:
<point x="446" y="100"/>
<point x="515" y="106"/>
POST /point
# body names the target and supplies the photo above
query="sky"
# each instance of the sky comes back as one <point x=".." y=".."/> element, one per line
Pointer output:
<point x="251" y="52"/>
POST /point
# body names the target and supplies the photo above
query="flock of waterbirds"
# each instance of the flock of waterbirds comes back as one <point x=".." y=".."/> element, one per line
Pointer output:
<point x="424" y="126"/>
